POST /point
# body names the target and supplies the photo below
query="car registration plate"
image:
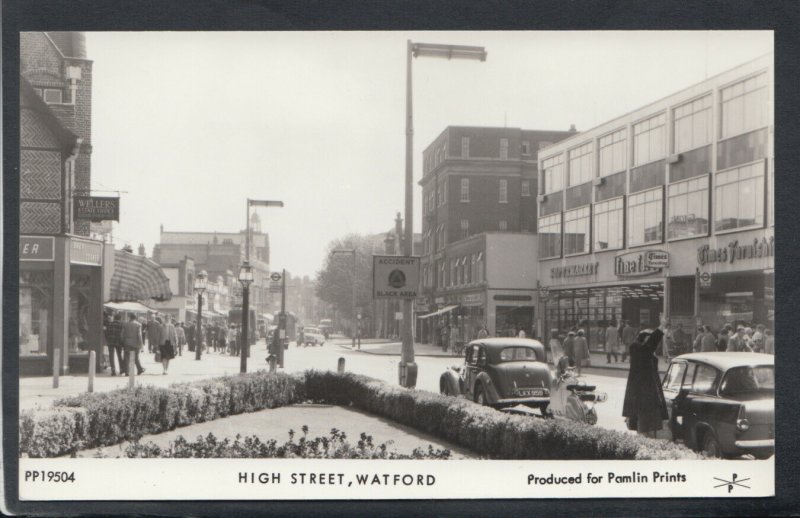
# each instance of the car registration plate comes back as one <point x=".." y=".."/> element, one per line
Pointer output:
<point x="531" y="392"/>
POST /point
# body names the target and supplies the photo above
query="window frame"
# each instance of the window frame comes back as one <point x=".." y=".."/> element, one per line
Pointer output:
<point x="45" y="91"/>
<point x="668" y="207"/>
<point x="503" y="149"/>
<point x="545" y="168"/>
<point x="595" y="221"/>
<point x="650" y="129"/>
<point x="464" y="147"/>
<point x="502" y="188"/>
<point x="721" y="118"/>
<point x="716" y="203"/>
<point x="585" y="158"/>
<point x="628" y="207"/>
<point x="541" y="223"/>
<point x="625" y="160"/>
<point x="564" y="222"/>
<point x="464" y="190"/>
<point x="710" y="121"/>
<point x="525" y="188"/>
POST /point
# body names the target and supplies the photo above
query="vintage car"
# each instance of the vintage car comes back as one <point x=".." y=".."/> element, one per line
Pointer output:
<point x="312" y="336"/>
<point x="723" y="403"/>
<point x="501" y="372"/>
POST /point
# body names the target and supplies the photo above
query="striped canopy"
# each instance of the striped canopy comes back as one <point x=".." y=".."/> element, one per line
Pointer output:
<point x="136" y="278"/>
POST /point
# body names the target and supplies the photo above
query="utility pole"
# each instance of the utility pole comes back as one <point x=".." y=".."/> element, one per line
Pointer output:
<point x="282" y="323"/>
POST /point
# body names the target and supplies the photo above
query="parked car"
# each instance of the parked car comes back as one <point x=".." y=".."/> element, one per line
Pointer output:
<point x="501" y="372"/>
<point x="312" y="336"/>
<point x="723" y="403"/>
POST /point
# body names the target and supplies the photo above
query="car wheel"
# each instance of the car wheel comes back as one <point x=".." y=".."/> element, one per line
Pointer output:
<point x="443" y="387"/>
<point x="480" y="395"/>
<point x="711" y="445"/>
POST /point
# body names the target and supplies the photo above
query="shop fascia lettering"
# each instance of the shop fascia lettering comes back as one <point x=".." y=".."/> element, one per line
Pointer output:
<point x="734" y="251"/>
<point x="574" y="270"/>
<point x="634" y="264"/>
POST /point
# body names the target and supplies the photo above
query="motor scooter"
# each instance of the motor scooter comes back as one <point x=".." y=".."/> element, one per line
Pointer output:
<point x="571" y="398"/>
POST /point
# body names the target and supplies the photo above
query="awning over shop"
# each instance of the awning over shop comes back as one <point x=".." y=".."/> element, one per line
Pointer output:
<point x="130" y="307"/>
<point x="442" y="311"/>
<point x="268" y="316"/>
<point x="137" y="278"/>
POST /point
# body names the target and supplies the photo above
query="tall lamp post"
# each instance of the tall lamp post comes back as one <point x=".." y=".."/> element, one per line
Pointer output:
<point x="353" y="322"/>
<point x="200" y="284"/>
<point x="407" y="368"/>
<point x="246" y="278"/>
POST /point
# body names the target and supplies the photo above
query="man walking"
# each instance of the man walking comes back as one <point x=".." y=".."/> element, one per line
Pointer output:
<point x="181" y="334"/>
<point x="132" y="343"/>
<point x="153" y="333"/>
<point x="628" y="338"/>
<point x="114" y="341"/>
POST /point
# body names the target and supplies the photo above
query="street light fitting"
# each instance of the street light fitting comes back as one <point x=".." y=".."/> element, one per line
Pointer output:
<point x="201" y="282"/>
<point x="264" y="203"/>
<point x="246" y="274"/>
<point x="436" y="50"/>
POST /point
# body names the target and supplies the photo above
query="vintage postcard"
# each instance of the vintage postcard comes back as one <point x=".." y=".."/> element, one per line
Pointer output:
<point x="471" y="265"/>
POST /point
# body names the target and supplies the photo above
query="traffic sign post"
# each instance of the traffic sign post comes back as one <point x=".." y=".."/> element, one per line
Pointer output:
<point x="705" y="280"/>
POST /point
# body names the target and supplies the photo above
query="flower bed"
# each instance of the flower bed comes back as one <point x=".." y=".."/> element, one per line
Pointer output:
<point x="484" y="430"/>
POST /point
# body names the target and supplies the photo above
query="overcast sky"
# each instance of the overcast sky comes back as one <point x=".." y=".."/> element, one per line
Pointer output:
<point x="190" y="124"/>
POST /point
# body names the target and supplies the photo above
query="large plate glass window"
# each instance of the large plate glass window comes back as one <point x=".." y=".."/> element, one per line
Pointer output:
<point x="550" y="236"/>
<point x="35" y="312"/>
<point x="644" y="217"/>
<point x="648" y="140"/>
<point x="739" y="197"/>
<point x="576" y="231"/>
<point x="553" y="168"/>
<point x="580" y="164"/>
<point x="608" y="224"/>
<point x="611" y="149"/>
<point x="692" y="124"/>
<point x="687" y="208"/>
<point x="744" y="106"/>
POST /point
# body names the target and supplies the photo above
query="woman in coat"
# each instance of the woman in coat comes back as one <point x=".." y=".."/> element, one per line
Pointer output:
<point x="612" y="342"/>
<point x="168" y="338"/>
<point x="644" y="406"/>
<point x="581" y="349"/>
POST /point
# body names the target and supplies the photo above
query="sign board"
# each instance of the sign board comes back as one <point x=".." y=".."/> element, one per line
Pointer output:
<point x="634" y="264"/>
<point x="656" y="259"/>
<point x="36" y="248"/>
<point x="705" y="280"/>
<point x="275" y="277"/>
<point x="398" y="315"/>
<point x="544" y="293"/>
<point x="96" y="208"/>
<point x="395" y="277"/>
<point x="85" y="252"/>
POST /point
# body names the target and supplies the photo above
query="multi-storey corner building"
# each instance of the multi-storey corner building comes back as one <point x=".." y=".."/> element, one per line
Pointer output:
<point x="667" y="210"/>
<point x="479" y="181"/>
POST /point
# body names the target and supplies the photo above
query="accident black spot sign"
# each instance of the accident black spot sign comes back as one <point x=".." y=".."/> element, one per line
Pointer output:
<point x="395" y="277"/>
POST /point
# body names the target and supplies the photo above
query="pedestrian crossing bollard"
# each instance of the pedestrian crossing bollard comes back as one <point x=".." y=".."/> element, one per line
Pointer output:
<point x="340" y="367"/>
<point x="56" y="366"/>
<point x="92" y="359"/>
<point x="132" y="370"/>
<point x="273" y="364"/>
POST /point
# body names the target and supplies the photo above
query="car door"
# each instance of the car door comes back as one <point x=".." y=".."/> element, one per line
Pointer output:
<point x="672" y="387"/>
<point x="699" y="396"/>
<point x="470" y="369"/>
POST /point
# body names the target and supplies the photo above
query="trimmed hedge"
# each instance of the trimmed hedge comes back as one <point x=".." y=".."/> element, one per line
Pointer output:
<point x="106" y="418"/>
<point x="484" y="430"/>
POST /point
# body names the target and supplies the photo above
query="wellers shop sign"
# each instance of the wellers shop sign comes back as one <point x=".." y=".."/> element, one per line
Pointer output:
<point x="637" y="264"/>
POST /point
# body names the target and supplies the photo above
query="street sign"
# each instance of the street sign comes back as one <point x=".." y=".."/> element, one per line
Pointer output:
<point x="275" y="277"/>
<point x="705" y="280"/>
<point x="395" y="277"/>
<point x="544" y="293"/>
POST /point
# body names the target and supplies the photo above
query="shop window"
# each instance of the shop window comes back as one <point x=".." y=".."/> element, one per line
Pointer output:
<point x="648" y="140"/>
<point x="744" y="106"/>
<point x="687" y="208"/>
<point x="35" y="312"/>
<point x="550" y="236"/>
<point x="608" y="224"/>
<point x="580" y="164"/>
<point x="79" y="297"/>
<point x="692" y="124"/>
<point x="503" y="191"/>
<point x="465" y="189"/>
<point x="576" y="231"/>
<point x="645" y="217"/>
<point x="525" y="188"/>
<point x="553" y="168"/>
<point x="739" y="197"/>
<point x="611" y="150"/>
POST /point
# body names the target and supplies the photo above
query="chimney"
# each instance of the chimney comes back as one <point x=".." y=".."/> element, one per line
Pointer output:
<point x="141" y="250"/>
<point x="389" y="243"/>
<point x="572" y="128"/>
<point x="398" y="225"/>
<point x="162" y="228"/>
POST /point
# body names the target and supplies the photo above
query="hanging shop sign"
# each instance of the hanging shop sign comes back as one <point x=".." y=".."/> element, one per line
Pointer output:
<point x="96" y="208"/>
<point x="657" y="259"/>
<point x="85" y="252"/>
<point x="757" y="249"/>
<point x="574" y="270"/>
<point x="395" y="277"/>
<point x="634" y="264"/>
<point x="36" y="248"/>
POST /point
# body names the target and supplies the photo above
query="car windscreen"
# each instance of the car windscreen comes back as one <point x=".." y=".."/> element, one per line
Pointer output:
<point x="516" y="354"/>
<point x="747" y="380"/>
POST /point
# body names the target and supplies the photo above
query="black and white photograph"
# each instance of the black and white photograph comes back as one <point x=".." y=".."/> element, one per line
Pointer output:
<point x="370" y="265"/>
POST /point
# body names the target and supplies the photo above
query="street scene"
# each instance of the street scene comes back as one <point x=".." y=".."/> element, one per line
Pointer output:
<point x="559" y="234"/>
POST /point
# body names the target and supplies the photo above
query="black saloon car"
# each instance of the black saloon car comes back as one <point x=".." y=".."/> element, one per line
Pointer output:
<point x="723" y="403"/>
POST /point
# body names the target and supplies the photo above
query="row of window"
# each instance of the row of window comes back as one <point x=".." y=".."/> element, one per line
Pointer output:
<point x="462" y="271"/>
<point x="743" y="107"/>
<point x="438" y="197"/>
<point x="436" y="156"/>
<point x="739" y="204"/>
<point x="437" y="239"/>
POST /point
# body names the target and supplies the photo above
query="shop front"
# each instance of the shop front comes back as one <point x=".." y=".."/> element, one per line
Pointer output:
<point x="510" y="311"/>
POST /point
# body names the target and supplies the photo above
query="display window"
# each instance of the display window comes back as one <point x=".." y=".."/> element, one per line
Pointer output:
<point x="35" y="312"/>
<point x="79" y="298"/>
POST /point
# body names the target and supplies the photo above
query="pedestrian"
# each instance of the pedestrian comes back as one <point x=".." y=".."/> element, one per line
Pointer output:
<point x="153" y="332"/>
<point x="455" y="335"/>
<point x="113" y="334"/>
<point x="569" y="348"/>
<point x="581" y="351"/>
<point x="232" y="340"/>
<point x="758" y="339"/>
<point x="483" y="333"/>
<point x="668" y="343"/>
<point x="612" y="342"/>
<point x="222" y="336"/>
<point x="679" y="339"/>
<point x="722" y="339"/>
<point x="521" y="333"/>
<point x="190" y="331"/>
<point x="705" y="341"/>
<point x="769" y="342"/>
<point x="445" y="336"/>
<point x="132" y="343"/>
<point x="628" y="338"/>
<point x="748" y="335"/>
<point x="181" y="333"/>
<point x="644" y="407"/>
<point x="738" y="342"/>
<point x="556" y="351"/>
<point x="166" y="344"/>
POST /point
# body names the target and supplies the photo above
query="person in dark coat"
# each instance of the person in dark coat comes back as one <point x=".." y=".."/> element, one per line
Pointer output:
<point x="644" y="406"/>
<point x="569" y="348"/>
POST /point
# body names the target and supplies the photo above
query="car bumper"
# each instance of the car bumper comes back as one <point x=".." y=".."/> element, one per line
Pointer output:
<point x="536" y="400"/>
<point x="756" y="444"/>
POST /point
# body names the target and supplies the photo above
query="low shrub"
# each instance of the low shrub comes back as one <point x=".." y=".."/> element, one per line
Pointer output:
<point x="484" y="430"/>
<point x="106" y="418"/>
<point x="333" y="446"/>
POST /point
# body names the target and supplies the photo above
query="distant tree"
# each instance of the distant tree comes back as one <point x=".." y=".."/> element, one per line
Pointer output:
<point x="334" y="283"/>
